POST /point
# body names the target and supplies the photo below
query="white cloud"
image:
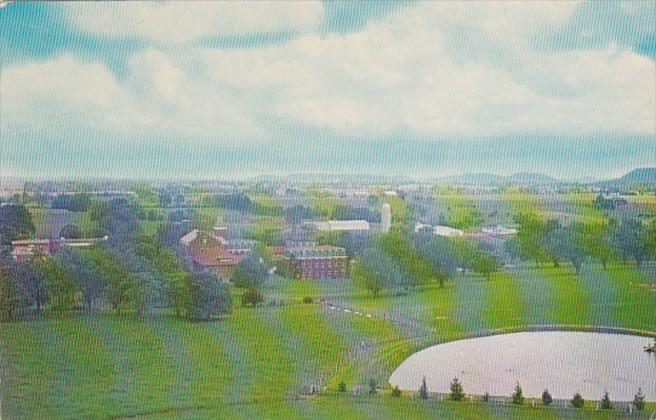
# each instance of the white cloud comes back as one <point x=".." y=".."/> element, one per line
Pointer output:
<point x="170" y="23"/>
<point x="398" y="77"/>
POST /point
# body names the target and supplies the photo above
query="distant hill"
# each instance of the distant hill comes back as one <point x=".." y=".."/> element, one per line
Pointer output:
<point x="530" y="178"/>
<point x="487" y="179"/>
<point x="642" y="176"/>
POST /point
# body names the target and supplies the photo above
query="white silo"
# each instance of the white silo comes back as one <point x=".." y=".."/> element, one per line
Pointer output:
<point x="386" y="218"/>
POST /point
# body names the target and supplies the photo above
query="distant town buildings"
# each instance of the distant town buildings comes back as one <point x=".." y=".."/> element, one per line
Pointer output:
<point x="24" y="250"/>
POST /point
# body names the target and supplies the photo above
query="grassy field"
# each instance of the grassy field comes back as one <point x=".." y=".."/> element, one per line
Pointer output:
<point x="260" y="362"/>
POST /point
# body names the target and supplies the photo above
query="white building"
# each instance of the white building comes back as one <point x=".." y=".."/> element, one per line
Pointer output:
<point x="499" y="231"/>
<point x="447" y="231"/>
<point x="386" y="218"/>
<point x="341" y="225"/>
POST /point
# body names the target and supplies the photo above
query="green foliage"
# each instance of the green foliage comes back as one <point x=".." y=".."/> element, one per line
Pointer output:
<point x="341" y="387"/>
<point x="60" y="284"/>
<point x="364" y="278"/>
<point x="547" y="399"/>
<point x="251" y="297"/>
<point x="605" y="402"/>
<point x="70" y="231"/>
<point x="251" y="273"/>
<point x="397" y="245"/>
<point x="373" y="386"/>
<point x="518" y="396"/>
<point x="396" y="392"/>
<point x="423" y="389"/>
<point x="577" y="401"/>
<point x="457" y="393"/>
<point x="530" y="235"/>
<point x="639" y="400"/>
<point x="15" y="223"/>
<point x="8" y="295"/>
<point x="308" y="299"/>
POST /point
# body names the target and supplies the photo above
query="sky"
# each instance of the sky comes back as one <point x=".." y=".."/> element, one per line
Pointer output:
<point x="234" y="89"/>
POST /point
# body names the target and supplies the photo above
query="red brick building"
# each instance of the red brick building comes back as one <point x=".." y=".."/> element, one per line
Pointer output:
<point x="317" y="262"/>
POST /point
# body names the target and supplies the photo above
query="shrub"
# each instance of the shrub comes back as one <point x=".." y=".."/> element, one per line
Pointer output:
<point x="251" y="297"/>
<point x="577" y="401"/>
<point x="486" y="397"/>
<point x="518" y="396"/>
<point x="457" y="393"/>
<point x="639" y="400"/>
<point x="372" y="386"/>
<point x="308" y="299"/>
<point x="605" y="402"/>
<point x="341" y="387"/>
<point x="546" y="398"/>
<point x="423" y="389"/>
<point x="396" y="392"/>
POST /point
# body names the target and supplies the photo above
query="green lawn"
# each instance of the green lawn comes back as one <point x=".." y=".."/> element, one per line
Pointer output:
<point x="252" y="363"/>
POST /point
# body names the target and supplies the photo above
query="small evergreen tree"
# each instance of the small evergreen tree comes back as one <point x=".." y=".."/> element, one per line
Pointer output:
<point x="372" y="386"/>
<point x="518" y="396"/>
<point x="546" y="398"/>
<point x="486" y="397"/>
<point x="577" y="401"/>
<point x="396" y="392"/>
<point x="342" y="386"/>
<point x="457" y="393"/>
<point x="605" y="402"/>
<point x="639" y="400"/>
<point x="423" y="389"/>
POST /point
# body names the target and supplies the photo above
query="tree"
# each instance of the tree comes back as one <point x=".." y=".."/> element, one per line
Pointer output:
<point x="209" y="297"/>
<point x="630" y="240"/>
<point x="31" y="283"/>
<point x="15" y="223"/>
<point x="530" y="236"/>
<point x="577" y="401"/>
<point x="396" y="392"/>
<point x="546" y="398"/>
<point x="342" y="386"/>
<point x="565" y="243"/>
<point x="60" y="285"/>
<point x="485" y="264"/>
<point x="250" y="273"/>
<point x="605" y="402"/>
<point x="518" y="396"/>
<point x="8" y="295"/>
<point x="251" y="297"/>
<point x="423" y="389"/>
<point x="639" y="400"/>
<point x="70" y="231"/>
<point x="457" y="393"/>
<point x="373" y="386"/>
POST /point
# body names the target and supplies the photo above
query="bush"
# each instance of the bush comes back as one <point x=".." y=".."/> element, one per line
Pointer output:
<point x="605" y="402"/>
<point x="518" y="396"/>
<point x="577" y="401"/>
<point x="546" y="398"/>
<point x="251" y="297"/>
<point x="457" y="393"/>
<point x="70" y="231"/>
<point x="486" y="397"/>
<point x="308" y="299"/>
<point x="639" y="400"/>
<point x="423" y="389"/>
<point x="341" y="387"/>
<point x="372" y="386"/>
<point x="396" y="392"/>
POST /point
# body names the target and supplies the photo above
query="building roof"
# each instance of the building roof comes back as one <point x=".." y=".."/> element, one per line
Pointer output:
<point x="447" y="231"/>
<point x="321" y="251"/>
<point x="499" y="231"/>
<point x="341" y="225"/>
